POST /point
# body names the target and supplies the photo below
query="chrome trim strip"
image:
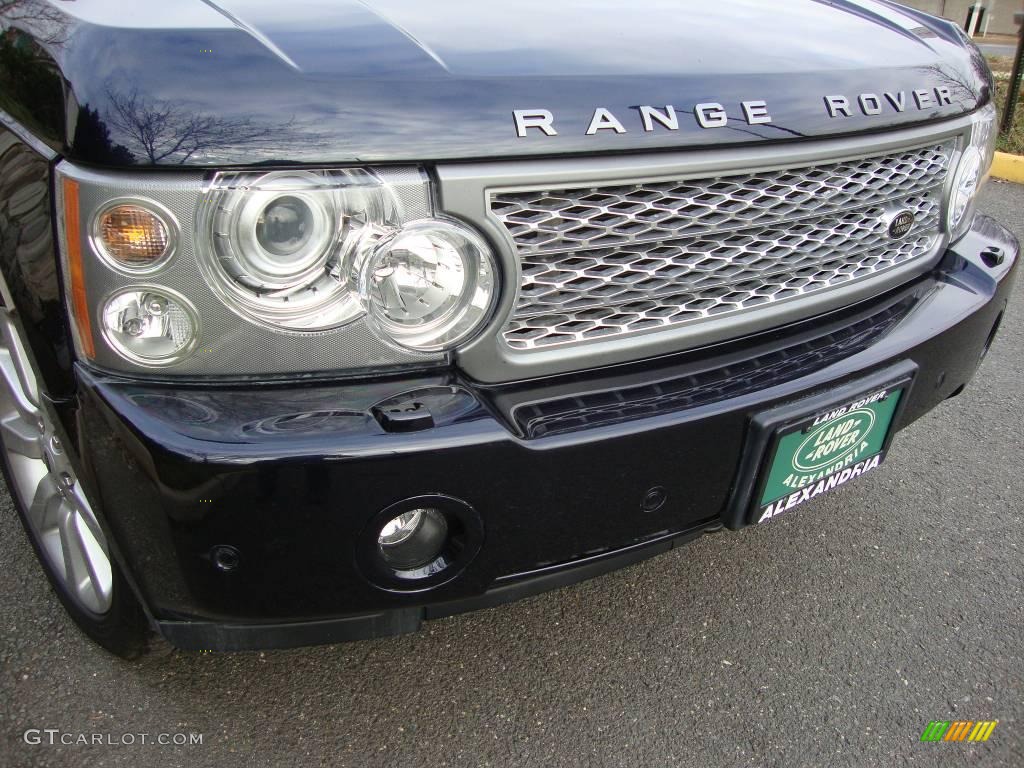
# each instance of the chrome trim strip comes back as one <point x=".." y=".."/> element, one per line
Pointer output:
<point x="27" y="136"/>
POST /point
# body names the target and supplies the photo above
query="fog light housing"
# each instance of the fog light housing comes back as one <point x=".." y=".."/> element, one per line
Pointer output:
<point x="413" y="539"/>
<point x="151" y="326"/>
<point x="418" y="544"/>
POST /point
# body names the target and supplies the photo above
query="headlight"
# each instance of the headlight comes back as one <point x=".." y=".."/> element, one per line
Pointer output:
<point x="283" y="271"/>
<point x="429" y="285"/>
<point x="312" y="250"/>
<point x="965" y="187"/>
<point x="273" y="245"/>
<point x="971" y="172"/>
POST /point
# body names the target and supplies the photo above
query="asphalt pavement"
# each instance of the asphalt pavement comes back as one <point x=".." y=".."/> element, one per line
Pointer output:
<point x="831" y="636"/>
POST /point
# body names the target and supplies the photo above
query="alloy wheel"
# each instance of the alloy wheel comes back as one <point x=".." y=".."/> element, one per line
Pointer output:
<point x="58" y="514"/>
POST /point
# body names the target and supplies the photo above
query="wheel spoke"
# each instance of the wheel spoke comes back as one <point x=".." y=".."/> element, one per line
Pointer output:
<point x="26" y="474"/>
<point x="21" y="363"/>
<point x="73" y="565"/>
<point x="87" y="518"/>
<point x="9" y="374"/>
<point x="21" y="437"/>
<point x="42" y="504"/>
<point x="94" y="558"/>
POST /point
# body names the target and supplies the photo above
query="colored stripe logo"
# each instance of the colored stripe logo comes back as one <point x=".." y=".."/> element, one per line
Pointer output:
<point x="959" y="730"/>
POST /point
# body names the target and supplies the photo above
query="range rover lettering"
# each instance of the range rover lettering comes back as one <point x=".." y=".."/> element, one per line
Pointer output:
<point x="323" y="320"/>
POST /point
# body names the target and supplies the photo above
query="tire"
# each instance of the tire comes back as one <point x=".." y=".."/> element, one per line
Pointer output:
<point x="69" y="541"/>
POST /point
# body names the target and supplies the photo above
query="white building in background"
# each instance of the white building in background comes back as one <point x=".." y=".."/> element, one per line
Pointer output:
<point x="979" y="17"/>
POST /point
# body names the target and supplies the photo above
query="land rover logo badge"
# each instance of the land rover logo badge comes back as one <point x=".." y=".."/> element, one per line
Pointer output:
<point x="901" y="224"/>
<point x="838" y="442"/>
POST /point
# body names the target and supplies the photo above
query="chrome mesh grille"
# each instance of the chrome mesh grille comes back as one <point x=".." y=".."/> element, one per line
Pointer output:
<point x="607" y="261"/>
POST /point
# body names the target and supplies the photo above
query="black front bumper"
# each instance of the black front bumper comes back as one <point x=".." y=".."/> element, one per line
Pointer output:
<point x="568" y="477"/>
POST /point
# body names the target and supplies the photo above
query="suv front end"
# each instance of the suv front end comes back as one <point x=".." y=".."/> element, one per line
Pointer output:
<point x="318" y="401"/>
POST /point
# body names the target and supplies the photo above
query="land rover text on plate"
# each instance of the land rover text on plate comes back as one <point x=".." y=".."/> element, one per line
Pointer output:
<point x="327" y="317"/>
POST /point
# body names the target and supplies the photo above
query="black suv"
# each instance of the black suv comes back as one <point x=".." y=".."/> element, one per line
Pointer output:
<point x="320" y="320"/>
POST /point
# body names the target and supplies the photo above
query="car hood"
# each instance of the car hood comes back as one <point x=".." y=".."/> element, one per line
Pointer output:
<point x="335" y="81"/>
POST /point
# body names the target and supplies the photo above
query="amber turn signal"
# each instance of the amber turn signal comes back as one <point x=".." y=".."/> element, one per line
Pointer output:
<point x="76" y="274"/>
<point x="133" y="236"/>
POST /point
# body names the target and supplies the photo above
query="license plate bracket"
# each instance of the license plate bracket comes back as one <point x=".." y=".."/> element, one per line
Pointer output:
<point x="797" y="451"/>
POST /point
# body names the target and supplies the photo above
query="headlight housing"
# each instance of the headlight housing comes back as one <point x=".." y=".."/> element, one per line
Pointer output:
<point x="274" y="246"/>
<point x="971" y="172"/>
<point x="280" y="271"/>
<point x="429" y="285"/>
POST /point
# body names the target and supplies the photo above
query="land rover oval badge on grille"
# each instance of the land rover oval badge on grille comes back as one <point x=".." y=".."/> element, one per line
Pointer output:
<point x="901" y="224"/>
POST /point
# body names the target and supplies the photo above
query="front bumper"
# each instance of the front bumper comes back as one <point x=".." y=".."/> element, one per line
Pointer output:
<point x="567" y="477"/>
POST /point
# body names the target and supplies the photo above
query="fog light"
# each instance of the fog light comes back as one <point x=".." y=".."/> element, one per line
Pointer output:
<point x="134" y="236"/>
<point x="419" y="543"/>
<point x="149" y="325"/>
<point x="413" y="539"/>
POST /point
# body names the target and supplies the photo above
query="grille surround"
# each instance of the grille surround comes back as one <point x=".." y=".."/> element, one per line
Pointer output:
<point x="465" y="189"/>
<point x="604" y="261"/>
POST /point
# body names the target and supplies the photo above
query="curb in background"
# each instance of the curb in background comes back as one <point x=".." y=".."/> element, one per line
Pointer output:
<point x="1009" y="167"/>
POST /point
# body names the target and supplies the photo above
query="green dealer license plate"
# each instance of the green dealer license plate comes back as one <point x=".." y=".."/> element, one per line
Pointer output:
<point x="826" y="450"/>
